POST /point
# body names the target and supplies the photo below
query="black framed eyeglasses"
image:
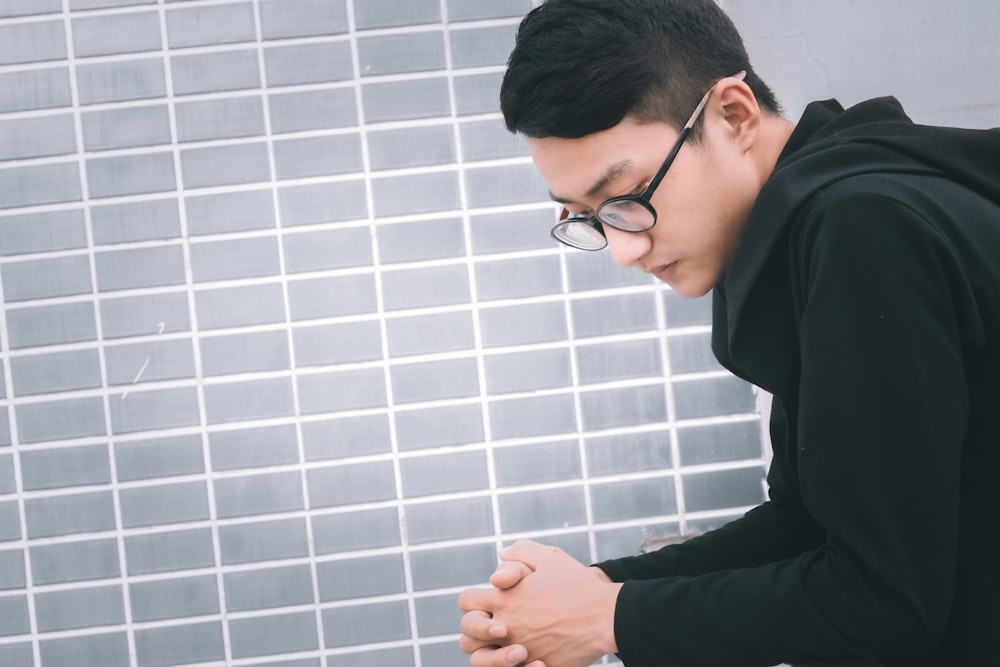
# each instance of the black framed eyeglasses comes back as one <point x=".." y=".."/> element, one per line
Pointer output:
<point x="629" y="213"/>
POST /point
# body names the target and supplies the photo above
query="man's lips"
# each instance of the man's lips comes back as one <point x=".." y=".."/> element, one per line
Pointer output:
<point x="665" y="271"/>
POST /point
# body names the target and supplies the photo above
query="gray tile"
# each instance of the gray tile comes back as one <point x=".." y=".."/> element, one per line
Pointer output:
<point x="42" y="232"/>
<point x="605" y="316"/>
<point x="163" y="504"/>
<point x="435" y="380"/>
<point x="60" y="420"/>
<point x="490" y="140"/>
<point x="74" y="561"/>
<point x="691" y="354"/>
<point x="10" y="521"/>
<point x="274" y="587"/>
<point x="271" y="635"/>
<point x="421" y="240"/>
<point x="179" y="645"/>
<point x="429" y="334"/>
<point x="230" y="212"/>
<point x="597" y="271"/>
<point x="234" y="164"/>
<point x="619" y="360"/>
<point x="239" y="306"/>
<point x="136" y="268"/>
<point x="546" y="509"/>
<point x="627" y="406"/>
<point x="304" y="662"/>
<point x="280" y="19"/>
<point x="537" y="463"/>
<point x="14" y="612"/>
<point x="437" y="615"/>
<point x="79" y="608"/>
<point x="159" y="457"/>
<point x="153" y="410"/>
<point x="301" y="64"/>
<point x="629" y="453"/>
<point x="366" y="624"/>
<point x="44" y="136"/>
<point x="35" y="89"/>
<point x="425" y="287"/>
<point x="12" y="572"/>
<point x="446" y="654"/>
<point x="350" y="342"/>
<point x="447" y="426"/>
<point x="723" y="488"/>
<point x="102" y="4"/>
<point x="34" y="185"/>
<point x="355" y="531"/>
<point x="620" y="501"/>
<point x="9" y="8"/>
<point x="108" y="650"/>
<point x="411" y="147"/>
<point x="149" y="220"/>
<point x="713" y="397"/>
<point x="322" y="203"/>
<point x="46" y="278"/>
<point x="511" y="232"/>
<point x="145" y="315"/>
<point x="327" y="249"/>
<point x="477" y="93"/>
<point x="333" y="296"/>
<point x="524" y="324"/>
<point x="226" y="118"/>
<point x="121" y="80"/>
<point x="125" y="175"/>
<point x="449" y="520"/>
<point x="149" y="361"/>
<point x="504" y="185"/>
<point x="203" y="26"/>
<point x="5" y="439"/>
<point x="528" y="371"/>
<point x="352" y="484"/>
<point x="116" y="33"/>
<point x="254" y="447"/>
<point x="716" y="443"/>
<point x="345" y="437"/>
<point x="337" y="391"/>
<point x="444" y="473"/>
<point x="306" y="110"/>
<point x="14" y="654"/>
<point x="397" y="657"/>
<point x="215" y="71"/>
<point x="65" y="467"/>
<point x="390" y="14"/>
<point x="406" y="100"/>
<point x="471" y="10"/>
<point x="174" y="598"/>
<point x="32" y="42"/>
<point x="263" y="541"/>
<point x="258" y="494"/>
<point x="622" y="542"/>
<point x="249" y="400"/>
<point x="682" y="312"/>
<point x="369" y="576"/>
<point x="533" y="416"/>
<point x="155" y="553"/>
<point x="232" y="259"/>
<point x="401" y="53"/>
<point x="310" y="157"/>
<point x="416" y="193"/>
<point x="8" y="484"/>
<point x="55" y="372"/>
<point x="50" y="516"/>
<point x="485" y="46"/>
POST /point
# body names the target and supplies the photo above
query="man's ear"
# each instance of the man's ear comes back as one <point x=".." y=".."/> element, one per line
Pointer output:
<point x="738" y="107"/>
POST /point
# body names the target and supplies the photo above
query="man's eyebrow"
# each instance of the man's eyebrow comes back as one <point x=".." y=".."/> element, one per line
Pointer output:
<point x="612" y="172"/>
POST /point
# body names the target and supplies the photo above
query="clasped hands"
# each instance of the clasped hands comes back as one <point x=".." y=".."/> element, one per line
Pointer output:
<point x="545" y="610"/>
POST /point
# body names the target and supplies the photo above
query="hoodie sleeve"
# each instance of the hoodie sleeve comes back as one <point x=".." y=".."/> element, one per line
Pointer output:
<point x="883" y="409"/>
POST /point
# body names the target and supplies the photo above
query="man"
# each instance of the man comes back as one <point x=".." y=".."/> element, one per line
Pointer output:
<point x="854" y="260"/>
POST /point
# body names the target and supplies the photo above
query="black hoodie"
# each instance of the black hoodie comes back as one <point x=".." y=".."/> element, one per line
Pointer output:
<point x="865" y="295"/>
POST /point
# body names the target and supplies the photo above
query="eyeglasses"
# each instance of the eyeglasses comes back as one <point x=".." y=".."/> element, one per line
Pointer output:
<point x="629" y="213"/>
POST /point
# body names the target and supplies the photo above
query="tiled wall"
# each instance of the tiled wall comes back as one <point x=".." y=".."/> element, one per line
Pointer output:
<point x="288" y="352"/>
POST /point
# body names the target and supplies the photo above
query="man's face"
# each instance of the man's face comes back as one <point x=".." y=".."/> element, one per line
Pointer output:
<point x="701" y="203"/>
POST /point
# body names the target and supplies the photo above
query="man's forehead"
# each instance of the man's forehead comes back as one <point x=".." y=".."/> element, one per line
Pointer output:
<point x="595" y="184"/>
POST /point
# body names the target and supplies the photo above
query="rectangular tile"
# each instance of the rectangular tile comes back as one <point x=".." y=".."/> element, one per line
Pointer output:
<point x="627" y="406"/>
<point x="420" y="241"/>
<point x="107" y="649"/>
<point x="333" y="296"/>
<point x="79" y="608"/>
<point x="230" y="212"/>
<point x="619" y="501"/>
<point x="338" y="391"/>
<point x="226" y="118"/>
<point x="210" y="25"/>
<point x="437" y="615"/>
<point x="325" y="344"/>
<point x="12" y="572"/>
<point x="43" y="136"/>
<point x="605" y="316"/>
<point x="116" y="33"/>
<point x="169" y="551"/>
<point x="322" y="203"/>
<point x="355" y="531"/>
<point x="542" y="510"/>
<point x="245" y="352"/>
<point x="121" y="80"/>
<point x="153" y="410"/>
<point x="254" y="447"/>
<point x="406" y="100"/>
<point x="124" y="175"/>
<point x="42" y="232"/>
<point x="10" y="521"/>
<point x="723" y="488"/>
<point x="477" y="93"/>
<point x="271" y="635"/>
<point x="269" y="588"/>
<point x="239" y="306"/>
<point x="327" y="249"/>
<point x="51" y="516"/>
<point x="366" y="624"/>
<point x="258" y="494"/>
<point x="51" y="325"/>
<point x="179" y="644"/>
<point x="629" y="453"/>
<point x="8" y="484"/>
<point x="46" y="278"/>
<point x="452" y="567"/>
<point x="302" y="64"/>
<point x="402" y="53"/>
<point x="504" y="185"/>
<point x="401" y="656"/>
<point x="149" y="220"/>
<point x="489" y="140"/>
<point x="449" y="520"/>
<point x="447" y="426"/>
<point x="493" y="233"/>
<point x="215" y="71"/>
<point x="150" y="361"/>
<point x="411" y="147"/>
<point x="145" y="315"/>
<point x="249" y="400"/>
<point x="32" y="42"/>
<point x="69" y="562"/>
<point x="435" y="380"/>
<point x="430" y="334"/>
<point x="105" y="4"/>
<point x="537" y="463"/>
<point x="35" y="89"/>
<point x="233" y="259"/>
<point x="60" y="420"/>
<point x="157" y="458"/>
<point x="354" y="578"/>
<point x="282" y="19"/>
<point x="692" y="354"/>
<point x="472" y="10"/>
<point x="311" y="157"/>
<point x="713" y="397"/>
<point x="716" y="443"/>
<point x="9" y="8"/>
<point x="352" y="484"/>
<point x="485" y="46"/>
<point x="533" y="416"/>
<point x="444" y="473"/>
<point x="390" y="14"/>
<point x="14" y="612"/>
<point x="683" y="312"/>
<point x="528" y="371"/>
<point x="136" y="268"/>
<point x="425" y="287"/>
<point x="225" y="165"/>
<point x="164" y="504"/>
<point x="86" y="465"/>
<point x="34" y="185"/>
<point x="263" y="541"/>
<point x="524" y="324"/>
<point x="416" y="193"/>
<point x="598" y="271"/>
<point x="345" y="437"/>
<point x="619" y="360"/>
<point x="303" y="111"/>
<point x="163" y="599"/>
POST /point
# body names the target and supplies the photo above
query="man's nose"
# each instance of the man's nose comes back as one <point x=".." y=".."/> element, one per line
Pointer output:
<point x="627" y="248"/>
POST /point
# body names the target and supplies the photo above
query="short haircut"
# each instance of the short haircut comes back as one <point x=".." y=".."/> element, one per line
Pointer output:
<point x="581" y="66"/>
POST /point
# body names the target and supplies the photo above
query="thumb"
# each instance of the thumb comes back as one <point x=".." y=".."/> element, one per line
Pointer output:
<point x="509" y="573"/>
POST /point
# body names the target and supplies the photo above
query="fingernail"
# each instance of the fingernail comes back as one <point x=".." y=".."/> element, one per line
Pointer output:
<point x="516" y="655"/>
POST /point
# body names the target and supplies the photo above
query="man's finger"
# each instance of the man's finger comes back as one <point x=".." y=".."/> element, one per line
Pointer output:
<point x="504" y="656"/>
<point x="477" y="598"/>
<point x="480" y="626"/>
<point x="509" y="573"/>
<point x="530" y="553"/>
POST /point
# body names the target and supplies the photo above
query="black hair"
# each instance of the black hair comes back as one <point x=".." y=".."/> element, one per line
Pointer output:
<point x="581" y="66"/>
